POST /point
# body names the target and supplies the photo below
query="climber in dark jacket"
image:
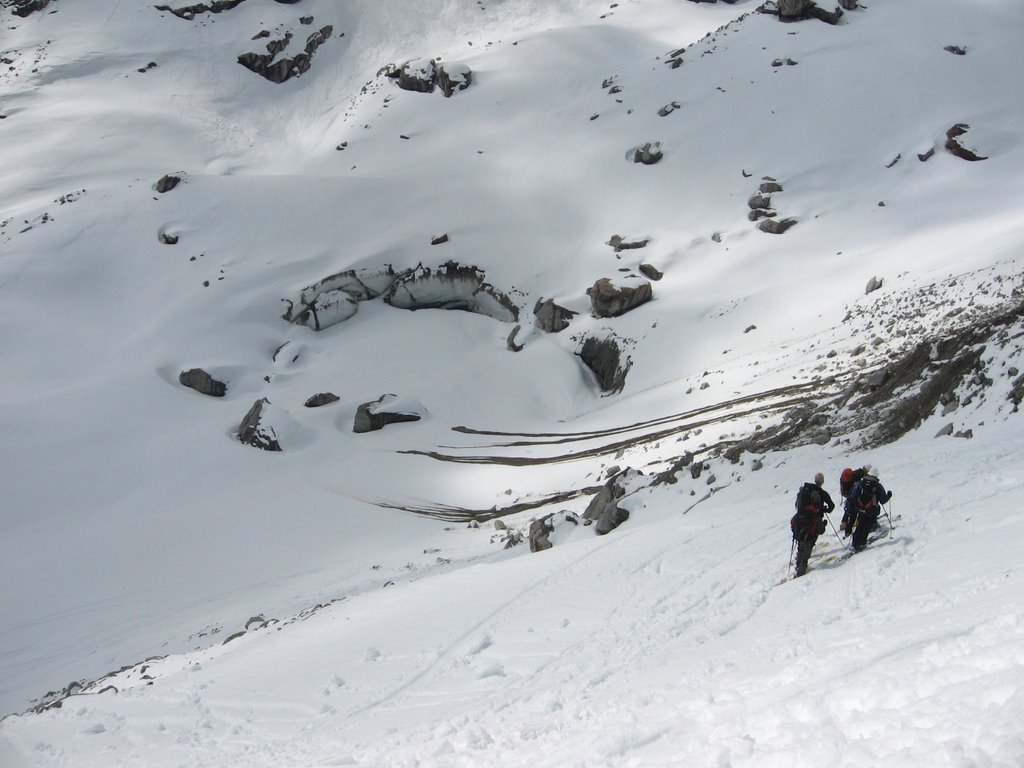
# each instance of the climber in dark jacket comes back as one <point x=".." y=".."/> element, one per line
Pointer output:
<point x="864" y="505"/>
<point x="812" y="504"/>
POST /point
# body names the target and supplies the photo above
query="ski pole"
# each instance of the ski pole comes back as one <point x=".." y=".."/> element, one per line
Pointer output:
<point x="891" y="526"/>
<point x="792" y="548"/>
<point x="836" y="532"/>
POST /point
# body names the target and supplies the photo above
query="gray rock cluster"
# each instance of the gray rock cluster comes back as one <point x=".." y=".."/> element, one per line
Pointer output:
<point x="799" y="10"/>
<point x="761" y="208"/>
<point x="424" y="75"/>
<point x="277" y="70"/>
<point x="189" y="12"/>
<point x="24" y="8"/>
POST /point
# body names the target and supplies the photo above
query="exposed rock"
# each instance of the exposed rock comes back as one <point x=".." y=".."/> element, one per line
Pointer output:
<point x="25" y="7"/>
<point x="202" y="382"/>
<point x="798" y="10"/>
<point x="387" y="409"/>
<point x="167" y="183"/>
<point x="453" y="77"/>
<point x="648" y="154"/>
<point x="419" y="75"/>
<point x="620" y="243"/>
<point x="767" y="187"/>
<point x="669" y="108"/>
<point x="924" y="157"/>
<point x="605" y="359"/>
<point x="873" y="285"/>
<point x="775" y="227"/>
<point x="167" y="239"/>
<point x="321" y="399"/>
<point x="609" y="301"/>
<point x="540" y="531"/>
<point x="551" y="317"/>
<point x="189" y="12"/>
<point x="510" y="342"/>
<point x="604" y="507"/>
<point x="335" y="298"/>
<point x="759" y="201"/>
<point x="439" y="239"/>
<point x="848" y="5"/>
<point x="651" y="272"/>
<point x="956" y="49"/>
<point x="451" y="286"/>
<point x="955" y="148"/>
<point x="252" y="431"/>
<point x="946" y="431"/>
<point x="760" y="213"/>
<point x="285" y="68"/>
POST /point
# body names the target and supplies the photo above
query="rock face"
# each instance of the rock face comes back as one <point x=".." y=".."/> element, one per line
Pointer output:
<point x="202" y="382"/>
<point x="609" y="301"/>
<point x="605" y="359"/>
<point x="25" y="7"/>
<point x="189" y="12"/>
<point x="279" y="70"/>
<point x="423" y="75"/>
<point x="954" y="147"/>
<point x="551" y="317"/>
<point x="254" y="432"/>
<point x="451" y="286"/>
<point x="387" y="409"/>
<point x="604" y="507"/>
<point x="335" y="298"/>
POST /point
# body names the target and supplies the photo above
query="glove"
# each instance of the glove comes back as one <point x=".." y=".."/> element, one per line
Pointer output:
<point x="888" y="495"/>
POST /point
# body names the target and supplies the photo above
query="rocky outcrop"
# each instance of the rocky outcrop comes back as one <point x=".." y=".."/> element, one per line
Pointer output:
<point x="620" y="243"/>
<point x="451" y="286"/>
<point x="387" y="409"/>
<point x="189" y="12"/>
<point x="551" y="317"/>
<point x="424" y="75"/>
<point x="321" y="399"/>
<point x="775" y="226"/>
<point x="647" y="154"/>
<point x="607" y="362"/>
<point x="24" y="8"/>
<point x="540" y="532"/>
<point x="335" y="298"/>
<point x="873" y="285"/>
<point x="610" y="301"/>
<point x="954" y="147"/>
<point x="799" y="10"/>
<point x="255" y="432"/>
<point x="604" y="509"/>
<point x="202" y="382"/>
<point x="651" y="272"/>
<point x="277" y="70"/>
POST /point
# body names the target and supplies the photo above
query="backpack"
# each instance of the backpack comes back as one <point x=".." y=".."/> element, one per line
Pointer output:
<point x="847" y="480"/>
<point x="865" y="493"/>
<point x="808" y="520"/>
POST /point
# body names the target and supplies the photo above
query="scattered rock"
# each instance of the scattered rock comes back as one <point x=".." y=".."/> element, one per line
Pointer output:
<point x="322" y="399"/>
<point x="252" y="431"/>
<point x="551" y="317"/>
<point x="439" y="239"/>
<point x="648" y="154"/>
<point x="167" y="239"/>
<point x="540" y="532"/>
<point x="669" y="108"/>
<point x="609" y="301"/>
<point x="946" y="431"/>
<point x="202" y="382"/>
<point x="926" y="156"/>
<point x="510" y="342"/>
<point x="956" y="49"/>
<point x="285" y="68"/>
<point x="775" y="227"/>
<point x="453" y="77"/>
<point x="766" y="188"/>
<point x="873" y="285"/>
<point x="651" y="272"/>
<point x="620" y="243"/>
<point x="167" y="183"/>
<point x="387" y="409"/>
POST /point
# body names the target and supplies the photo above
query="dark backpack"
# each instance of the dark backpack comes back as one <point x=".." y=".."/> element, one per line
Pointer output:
<point x="865" y="492"/>
<point x="808" y="520"/>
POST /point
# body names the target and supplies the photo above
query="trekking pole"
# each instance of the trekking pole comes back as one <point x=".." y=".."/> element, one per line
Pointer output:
<point x="836" y="532"/>
<point x="792" y="548"/>
<point x="891" y="526"/>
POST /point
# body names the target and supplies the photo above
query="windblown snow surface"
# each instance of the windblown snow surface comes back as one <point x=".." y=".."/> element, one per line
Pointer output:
<point x="137" y="533"/>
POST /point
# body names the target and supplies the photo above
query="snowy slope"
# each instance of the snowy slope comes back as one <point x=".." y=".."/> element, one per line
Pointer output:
<point x="135" y="525"/>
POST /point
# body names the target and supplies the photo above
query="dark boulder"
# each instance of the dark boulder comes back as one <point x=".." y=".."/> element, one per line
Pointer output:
<point x="606" y="360"/>
<point x="280" y="70"/>
<point x="954" y="147"/>
<point x="540" y="531"/>
<point x="610" y="301"/>
<point x="387" y="409"/>
<point x="25" y="7"/>
<point x="619" y="243"/>
<point x="453" y="77"/>
<point x="254" y="432"/>
<point x="648" y="154"/>
<point x="322" y="399"/>
<point x="651" y="272"/>
<point x="167" y="183"/>
<point x="775" y="226"/>
<point x="202" y="382"/>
